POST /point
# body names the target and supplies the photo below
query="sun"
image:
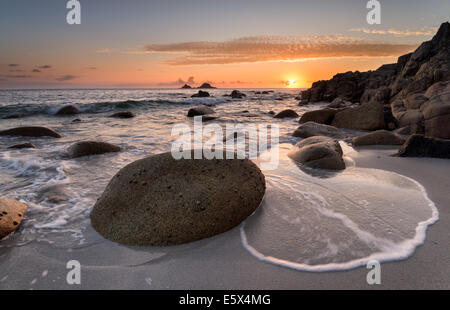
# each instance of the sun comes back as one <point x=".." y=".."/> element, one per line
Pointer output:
<point x="291" y="83"/>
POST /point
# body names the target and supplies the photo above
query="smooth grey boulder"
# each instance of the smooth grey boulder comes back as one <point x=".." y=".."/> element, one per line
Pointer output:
<point x="30" y="132"/>
<point x="379" y="137"/>
<point x="86" y="148"/>
<point x="311" y="129"/>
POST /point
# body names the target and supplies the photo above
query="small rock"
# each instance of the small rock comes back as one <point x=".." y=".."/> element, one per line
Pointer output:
<point x="379" y="137"/>
<point x="68" y="110"/>
<point x="87" y="148"/>
<point x="13" y="116"/>
<point x="201" y="94"/>
<point x="23" y="146"/>
<point x="126" y="114"/>
<point x="286" y="114"/>
<point x="202" y="110"/>
<point x="12" y="213"/>
<point x="311" y="129"/>
<point x="319" y="152"/>
<point x="30" y="132"/>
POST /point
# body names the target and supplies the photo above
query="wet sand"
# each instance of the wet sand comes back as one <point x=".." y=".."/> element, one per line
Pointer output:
<point x="222" y="262"/>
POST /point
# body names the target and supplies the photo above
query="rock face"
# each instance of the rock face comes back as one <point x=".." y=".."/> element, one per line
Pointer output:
<point x="30" y="132"/>
<point x="286" y="114"/>
<point x="198" y="111"/>
<point x="311" y="129"/>
<point x="86" y="148"/>
<point x="68" y="110"/>
<point x="319" y="152"/>
<point x="11" y="215"/>
<point x="324" y="116"/>
<point x="420" y="146"/>
<point x="365" y="117"/>
<point x="379" y="137"/>
<point x="126" y="114"/>
<point x="23" y="146"/>
<point x="160" y="201"/>
<point x="413" y="91"/>
<point x="201" y="94"/>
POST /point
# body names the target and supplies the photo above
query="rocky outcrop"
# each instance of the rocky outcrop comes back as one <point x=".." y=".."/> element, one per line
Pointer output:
<point x="201" y="110"/>
<point x="311" y="129"/>
<point x="186" y="86"/>
<point x="379" y="137"/>
<point x="23" y="146"/>
<point x="365" y="117"/>
<point x="12" y="213"/>
<point x="421" y="146"/>
<point x="412" y="91"/>
<point x="125" y="114"/>
<point x="160" y="201"/>
<point x="86" y="148"/>
<point x="201" y="94"/>
<point x="319" y="152"/>
<point x="30" y="132"/>
<point x="68" y="110"/>
<point x="286" y="114"/>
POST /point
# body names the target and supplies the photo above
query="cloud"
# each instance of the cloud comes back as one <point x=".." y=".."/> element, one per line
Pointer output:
<point x="36" y="70"/>
<point x="179" y="82"/>
<point x="13" y="65"/>
<point x="398" y="32"/>
<point x="103" y="51"/>
<point x="65" y="78"/>
<point x="276" y="48"/>
<point x="16" y="70"/>
<point x="92" y="68"/>
<point x="18" y="76"/>
<point x="45" y="67"/>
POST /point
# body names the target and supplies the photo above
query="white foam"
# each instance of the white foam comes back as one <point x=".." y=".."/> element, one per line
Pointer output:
<point x="314" y="214"/>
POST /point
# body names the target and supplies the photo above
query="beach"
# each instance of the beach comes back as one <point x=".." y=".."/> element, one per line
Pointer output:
<point x="221" y="262"/>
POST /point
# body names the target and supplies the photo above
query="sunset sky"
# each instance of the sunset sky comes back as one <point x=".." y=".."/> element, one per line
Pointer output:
<point x="232" y="43"/>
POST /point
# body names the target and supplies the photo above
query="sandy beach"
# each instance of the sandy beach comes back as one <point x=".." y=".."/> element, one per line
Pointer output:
<point x="222" y="262"/>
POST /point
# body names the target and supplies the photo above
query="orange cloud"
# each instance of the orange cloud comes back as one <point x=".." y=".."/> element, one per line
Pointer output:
<point x="399" y="32"/>
<point x="275" y="48"/>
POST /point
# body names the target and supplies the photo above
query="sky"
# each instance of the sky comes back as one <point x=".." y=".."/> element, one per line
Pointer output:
<point x="229" y="43"/>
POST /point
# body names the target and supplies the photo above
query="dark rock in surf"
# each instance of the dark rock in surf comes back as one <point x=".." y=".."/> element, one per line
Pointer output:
<point x="125" y="114"/>
<point x="202" y="110"/>
<point x="68" y="110"/>
<point x="87" y="148"/>
<point x="286" y="114"/>
<point x="23" y="146"/>
<point x="201" y="94"/>
<point x="30" y="132"/>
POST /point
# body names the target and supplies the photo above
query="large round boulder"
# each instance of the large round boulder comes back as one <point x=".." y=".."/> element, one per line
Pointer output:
<point x="311" y="129"/>
<point x="160" y="201"/>
<point x="286" y="114"/>
<point x="68" y="110"/>
<point x="319" y="152"/>
<point x="86" y="148"/>
<point x="30" y="132"/>
<point x="11" y="215"/>
<point x="379" y="137"/>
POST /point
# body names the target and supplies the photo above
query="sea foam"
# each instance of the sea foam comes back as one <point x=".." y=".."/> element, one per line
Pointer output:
<point x="337" y="221"/>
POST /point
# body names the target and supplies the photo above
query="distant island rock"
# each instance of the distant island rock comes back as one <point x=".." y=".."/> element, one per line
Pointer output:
<point x="206" y="86"/>
<point x="186" y="86"/>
